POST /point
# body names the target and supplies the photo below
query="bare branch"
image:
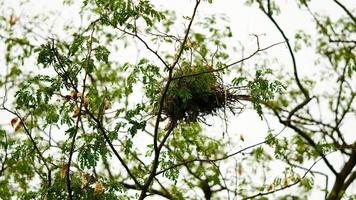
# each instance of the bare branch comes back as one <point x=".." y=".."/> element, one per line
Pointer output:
<point x="284" y="187"/>
<point x="230" y="64"/>
<point x="222" y="158"/>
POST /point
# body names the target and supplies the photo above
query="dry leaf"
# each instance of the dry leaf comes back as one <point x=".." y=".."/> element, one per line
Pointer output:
<point x="286" y="181"/>
<point x="73" y="94"/>
<point x="242" y="137"/>
<point x="86" y="102"/>
<point x="68" y="97"/>
<point x="64" y="170"/>
<point x="107" y="105"/>
<point x="239" y="170"/>
<point x="13" y="20"/>
<point x="18" y="126"/>
<point x="98" y="187"/>
<point x="84" y="180"/>
<point x="210" y="68"/>
<point x="14" y="121"/>
<point x="76" y="112"/>
<point x="189" y="43"/>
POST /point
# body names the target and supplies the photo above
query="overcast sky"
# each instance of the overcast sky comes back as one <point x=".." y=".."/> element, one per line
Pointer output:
<point x="244" y="21"/>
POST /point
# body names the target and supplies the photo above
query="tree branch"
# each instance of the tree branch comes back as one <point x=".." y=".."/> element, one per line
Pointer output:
<point x="341" y="183"/>
<point x="308" y="139"/>
<point x="69" y="187"/>
<point x="284" y="187"/>
<point x="294" y="62"/>
<point x="230" y="64"/>
<point x="346" y="10"/>
<point x="157" y="149"/>
<point x="222" y="158"/>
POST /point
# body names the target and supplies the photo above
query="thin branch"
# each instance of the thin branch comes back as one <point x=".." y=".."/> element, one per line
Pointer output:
<point x="312" y="171"/>
<point x="298" y="107"/>
<point x="294" y="62"/>
<point x="69" y="188"/>
<point x="157" y="149"/>
<point x="230" y="64"/>
<point x="28" y="133"/>
<point x="346" y="10"/>
<point x="146" y="45"/>
<point x="350" y="180"/>
<point x="107" y="139"/>
<point x="152" y="191"/>
<point x="284" y="187"/>
<point x="3" y="161"/>
<point x="308" y="139"/>
<point x="339" y="96"/>
<point x="222" y="158"/>
<point x="97" y="121"/>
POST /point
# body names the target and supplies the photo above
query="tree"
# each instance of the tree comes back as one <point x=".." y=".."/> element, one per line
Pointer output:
<point x="119" y="105"/>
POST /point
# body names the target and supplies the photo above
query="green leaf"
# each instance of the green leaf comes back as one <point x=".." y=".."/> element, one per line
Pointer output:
<point x="77" y="44"/>
<point x="102" y="53"/>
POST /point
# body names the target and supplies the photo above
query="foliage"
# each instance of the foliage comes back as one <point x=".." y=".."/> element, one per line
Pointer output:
<point x="126" y="104"/>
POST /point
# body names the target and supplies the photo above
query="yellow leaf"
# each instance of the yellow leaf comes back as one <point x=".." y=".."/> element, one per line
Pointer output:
<point x="73" y="94"/>
<point x="18" y="125"/>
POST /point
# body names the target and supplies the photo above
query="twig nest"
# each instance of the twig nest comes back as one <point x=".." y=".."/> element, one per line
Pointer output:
<point x="190" y="98"/>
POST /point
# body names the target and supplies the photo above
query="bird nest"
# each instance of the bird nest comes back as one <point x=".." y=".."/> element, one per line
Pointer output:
<point x="191" y="98"/>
